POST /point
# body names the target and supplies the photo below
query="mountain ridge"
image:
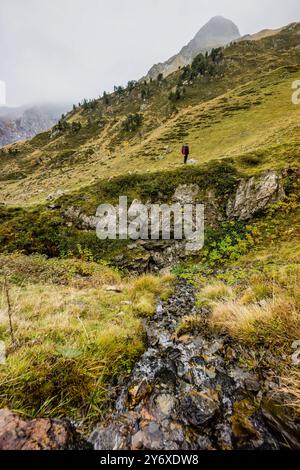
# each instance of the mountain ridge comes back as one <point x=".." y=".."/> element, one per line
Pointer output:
<point x="92" y="326"/>
<point x="106" y="134"/>
<point x="24" y="122"/>
<point x="217" y="32"/>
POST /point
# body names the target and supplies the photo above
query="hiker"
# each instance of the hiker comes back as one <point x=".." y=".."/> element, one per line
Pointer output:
<point x="185" y="152"/>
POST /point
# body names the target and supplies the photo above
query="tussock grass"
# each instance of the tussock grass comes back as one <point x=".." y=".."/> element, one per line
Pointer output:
<point x="274" y="323"/>
<point x="218" y="291"/>
<point x="145" y="291"/>
<point x="213" y="292"/>
<point x="74" y="339"/>
<point x="290" y="390"/>
<point x="263" y="310"/>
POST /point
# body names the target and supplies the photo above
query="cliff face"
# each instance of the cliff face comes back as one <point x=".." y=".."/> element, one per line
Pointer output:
<point x="24" y="123"/>
<point x="217" y="32"/>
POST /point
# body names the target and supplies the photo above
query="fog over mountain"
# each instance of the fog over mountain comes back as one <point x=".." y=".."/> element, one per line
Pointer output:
<point x="218" y="31"/>
<point x="65" y="50"/>
<point x="24" y="122"/>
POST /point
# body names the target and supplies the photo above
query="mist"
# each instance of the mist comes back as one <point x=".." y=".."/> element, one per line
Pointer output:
<point x="61" y="51"/>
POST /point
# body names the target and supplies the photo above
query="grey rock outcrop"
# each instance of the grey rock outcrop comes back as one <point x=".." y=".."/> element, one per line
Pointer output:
<point x="254" y="195"/>
<point x="186" y="193"/>
<point x="217" y="32"/>
<point x="79" y="218"/>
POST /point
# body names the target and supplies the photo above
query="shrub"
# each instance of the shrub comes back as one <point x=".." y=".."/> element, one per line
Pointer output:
<point x="132" y="122"/>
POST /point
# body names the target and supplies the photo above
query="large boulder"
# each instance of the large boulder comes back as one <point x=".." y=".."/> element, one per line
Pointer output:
<point x="80" y="219"/>
<point x="254" y="195"/>
<point x="16" y="433"/>
<point x="186" y="193"/>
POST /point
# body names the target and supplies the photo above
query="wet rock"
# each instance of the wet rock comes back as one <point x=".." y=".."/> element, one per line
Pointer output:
<point x="165" y="404"/>
<point x="115" y="434"/>
<point x="196" y="400"/>
<point x="198" y="409"/>
<point x="224" y="436"/>
<point x="16" y="433"/>
<point x="210" y="372"/>
<point x="151" y="437"/>
<point x="138" y="439"/>
<point x="204" y="443"/>
<point x="146" y="415"/>
<point x="245" y="379"/>
<point x="139" y="392"/>
<point x="166" y="374"/>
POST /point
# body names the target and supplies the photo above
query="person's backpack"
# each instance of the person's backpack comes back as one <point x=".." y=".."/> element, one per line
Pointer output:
<point x="185" y="150"/>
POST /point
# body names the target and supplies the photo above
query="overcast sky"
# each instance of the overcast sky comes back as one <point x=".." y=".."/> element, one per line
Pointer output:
<point x="65" y="50"/>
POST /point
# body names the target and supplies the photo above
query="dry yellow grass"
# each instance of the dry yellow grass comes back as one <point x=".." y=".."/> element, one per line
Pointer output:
<point x="273" y="322"/>
<point x="258" y="304"/>
<point x="146" y="289"/>
<point x="290" y="390"/>
<point x="73" y="337"/>
<point x="217" y="291"/>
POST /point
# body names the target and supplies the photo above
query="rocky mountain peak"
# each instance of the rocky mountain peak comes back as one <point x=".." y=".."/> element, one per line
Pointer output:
<point x="218" y="31"/>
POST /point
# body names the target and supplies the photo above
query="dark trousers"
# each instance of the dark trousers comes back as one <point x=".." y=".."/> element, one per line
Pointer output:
<point x="186" y="158"/>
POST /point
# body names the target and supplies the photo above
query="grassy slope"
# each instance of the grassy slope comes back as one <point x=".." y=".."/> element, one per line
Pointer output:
<point x="247" y="106"/>
<point x="73" y="337"/>
<point x="246" y="119"/>
<point x="251" y="290"/>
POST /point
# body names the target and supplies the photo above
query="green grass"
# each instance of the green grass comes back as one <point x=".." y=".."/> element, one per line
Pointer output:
<point x="42" y="230"/>
<point x="245" y="113"/>
<point x="253" y="294"/>
<point x="74" y="339"/>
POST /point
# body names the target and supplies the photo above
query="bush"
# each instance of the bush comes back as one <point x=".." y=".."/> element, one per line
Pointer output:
<point x="132" y="122"/>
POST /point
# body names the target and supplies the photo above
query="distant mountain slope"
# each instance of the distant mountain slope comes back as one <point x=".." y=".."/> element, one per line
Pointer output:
<point x="217" y="32"/>
<point x="238" y="105"/>
<point x="25" y="122"/>
<point x="265" y="33"/>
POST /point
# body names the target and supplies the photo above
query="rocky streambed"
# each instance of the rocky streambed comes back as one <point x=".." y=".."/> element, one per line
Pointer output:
<point x="190" y="393"/>
<point x="187" y="392"/>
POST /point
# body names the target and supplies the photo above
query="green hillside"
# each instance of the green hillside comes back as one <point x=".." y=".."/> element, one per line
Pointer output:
<point x="237" y="103"/>
<point x="78" y="304"/>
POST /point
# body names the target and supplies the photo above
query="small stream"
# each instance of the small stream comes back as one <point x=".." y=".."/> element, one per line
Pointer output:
<point x="186" y="393"/>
